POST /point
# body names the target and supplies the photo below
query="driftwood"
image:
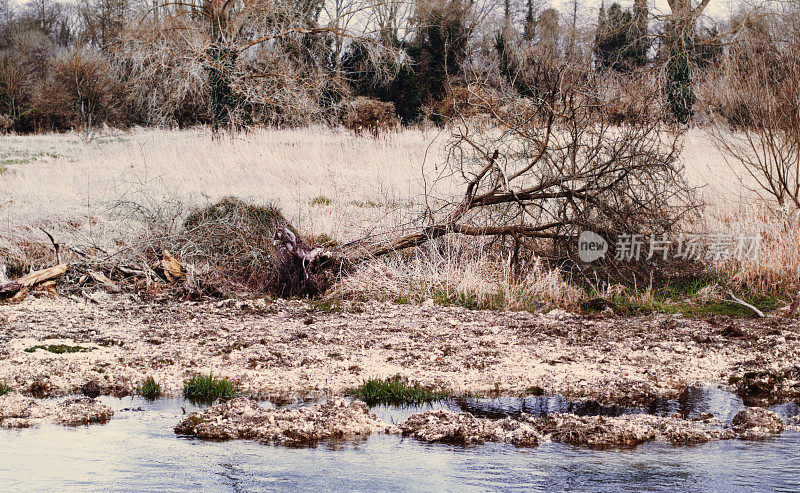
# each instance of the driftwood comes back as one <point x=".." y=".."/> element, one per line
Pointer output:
<point x="18" y="288"/>
<point x="102" y="280"/>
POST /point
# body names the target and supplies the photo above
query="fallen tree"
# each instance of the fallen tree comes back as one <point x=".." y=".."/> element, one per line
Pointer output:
<point x="548" y="167"/>
<point x="19" y="288"/>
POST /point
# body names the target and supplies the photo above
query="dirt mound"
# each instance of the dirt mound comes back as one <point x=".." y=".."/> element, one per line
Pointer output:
<point x="590" y="431"/>
<point x="768" y="387"/>
<point x="232" y="244"/>
<point x="242" y="417"/>
<point x="465" y="429"/>
<point x="755" y="423"/>
<point x="17" y="411"/>
<point x="629" y="430"/>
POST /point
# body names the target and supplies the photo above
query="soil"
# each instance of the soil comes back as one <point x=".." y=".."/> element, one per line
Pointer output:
<point x="18" y="411"/>
<point x="242" y="417"/>
<point x="285" y="350"/>
<point x="590" y="431"/>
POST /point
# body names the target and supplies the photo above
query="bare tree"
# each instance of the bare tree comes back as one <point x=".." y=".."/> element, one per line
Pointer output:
<point x="549" y="167"/>
<point x="758" y="113"/>
<point x="260" y="55"/>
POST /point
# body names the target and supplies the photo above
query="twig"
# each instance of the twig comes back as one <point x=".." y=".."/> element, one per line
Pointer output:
<point x="755" y="310"/>
<point x="56" y="246"/>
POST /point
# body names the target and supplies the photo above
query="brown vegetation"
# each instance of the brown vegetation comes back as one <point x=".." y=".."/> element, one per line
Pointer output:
<point x="369" y="115"/>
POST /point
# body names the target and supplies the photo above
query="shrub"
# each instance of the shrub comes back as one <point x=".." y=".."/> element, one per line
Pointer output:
<point x="466" y="102"/>
<point x="371" y="115"/>
<point x="207" y="389"/>
<point x="82" y="91"/>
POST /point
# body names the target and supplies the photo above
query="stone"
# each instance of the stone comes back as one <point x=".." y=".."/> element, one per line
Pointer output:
<point x="754" y="423"/>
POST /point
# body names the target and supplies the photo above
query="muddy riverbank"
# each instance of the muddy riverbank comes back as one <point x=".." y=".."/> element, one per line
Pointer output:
<point x="285" y="350"/>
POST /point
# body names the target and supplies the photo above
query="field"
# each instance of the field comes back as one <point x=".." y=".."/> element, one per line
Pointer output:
<point x="411" y="316"/>
<point x="115" y="190"/>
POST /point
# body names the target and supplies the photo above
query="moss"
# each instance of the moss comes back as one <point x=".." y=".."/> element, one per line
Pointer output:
<point x="59" y="348"/>
<point x="535" y="391"/>
<point x="395" y="391"/>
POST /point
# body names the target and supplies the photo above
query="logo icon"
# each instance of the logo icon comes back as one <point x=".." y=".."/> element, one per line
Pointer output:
<point x="591" y="246"/>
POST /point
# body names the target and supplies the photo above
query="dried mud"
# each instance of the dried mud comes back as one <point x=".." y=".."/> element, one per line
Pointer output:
<point x="285" y="350"/>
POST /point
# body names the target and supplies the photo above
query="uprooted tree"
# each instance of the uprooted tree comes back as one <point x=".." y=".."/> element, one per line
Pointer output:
<point x="549" y="167"/>
<point x="541" y="170"/>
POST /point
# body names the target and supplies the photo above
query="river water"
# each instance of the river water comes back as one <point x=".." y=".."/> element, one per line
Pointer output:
<point x="137" y="451"/>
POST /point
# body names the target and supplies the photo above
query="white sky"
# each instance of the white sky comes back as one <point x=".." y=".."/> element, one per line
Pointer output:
<point x="588" y="8"/>
<point x="716" y="8"/>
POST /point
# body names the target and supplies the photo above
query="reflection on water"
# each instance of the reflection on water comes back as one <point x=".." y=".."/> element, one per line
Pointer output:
<point x="137" y="451"/>
<point x="692" y="403"/>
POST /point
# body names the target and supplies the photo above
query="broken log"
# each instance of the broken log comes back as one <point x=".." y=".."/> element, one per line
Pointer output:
<point x="37" y="277"/>
<point x="171" y="267"/>
<point x="104" y="281"/>
<point x="17" y="289"/>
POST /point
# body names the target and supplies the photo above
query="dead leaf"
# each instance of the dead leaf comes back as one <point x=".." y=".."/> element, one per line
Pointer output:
<point x="173" y="270"/>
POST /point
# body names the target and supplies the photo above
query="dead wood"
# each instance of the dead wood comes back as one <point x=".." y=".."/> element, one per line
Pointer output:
<point x="104" y="281"/>
<point x="758" y="313"/>
<point x="300" y="269"/>
<point x="17" y="289"/>
<point x="170" y="267"/>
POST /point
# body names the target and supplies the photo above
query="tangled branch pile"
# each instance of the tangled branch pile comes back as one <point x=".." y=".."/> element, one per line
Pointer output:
<point x="551" y="166"/>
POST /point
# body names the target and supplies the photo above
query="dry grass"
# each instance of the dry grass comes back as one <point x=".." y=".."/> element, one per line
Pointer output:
<point x="327" y="183"/>
<point x="457" y="271"/>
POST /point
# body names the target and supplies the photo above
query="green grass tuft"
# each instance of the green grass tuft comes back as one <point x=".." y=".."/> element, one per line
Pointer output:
<point x="395" y="391"/>
<point x="58" y="348"/>
<point x="150" y="389"/>
<point x="207" y="389"/>
<point x="535" y="391"/>
<point x="4" y="389"/>
<point x="321" y="200"/>
<point x="330" y="305"/>
<point x="469" y="300"/>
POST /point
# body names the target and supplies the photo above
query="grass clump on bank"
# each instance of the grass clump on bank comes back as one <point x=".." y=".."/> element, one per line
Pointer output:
<point x="395" y="391"/>
<point x="4" y="389"/>
<point x="207" y="389"/>
<point x="150" y="389"/>
<point x="58" y="348"/>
